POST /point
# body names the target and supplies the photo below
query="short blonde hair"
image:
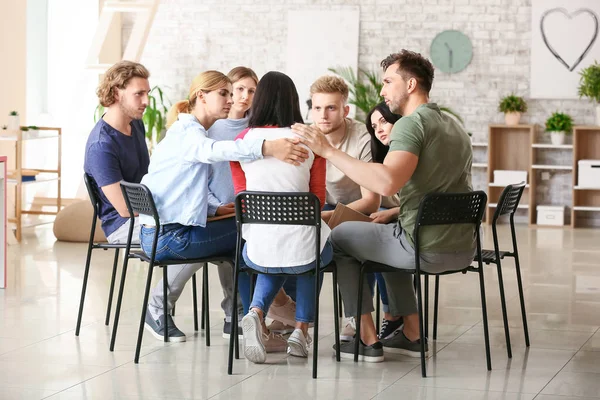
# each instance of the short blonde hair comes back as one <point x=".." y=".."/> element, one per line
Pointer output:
<point x="239" y="73"/>
<point x="206" y="82"/>
<point x="117" y="77"/>
<point x="330" y="84"/>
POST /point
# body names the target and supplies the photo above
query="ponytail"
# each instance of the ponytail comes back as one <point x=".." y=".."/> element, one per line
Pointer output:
<point x="182" y="106"/>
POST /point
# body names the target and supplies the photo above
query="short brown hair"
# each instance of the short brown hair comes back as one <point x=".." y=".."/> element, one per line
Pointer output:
<point x="330" y="84"/>
<point x="239" y="73"/>
<point x="411" y="65"/>
<point x="117" y="77"/>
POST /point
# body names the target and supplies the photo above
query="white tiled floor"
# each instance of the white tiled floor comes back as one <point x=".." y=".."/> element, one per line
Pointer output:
<point x="40" y="356"/>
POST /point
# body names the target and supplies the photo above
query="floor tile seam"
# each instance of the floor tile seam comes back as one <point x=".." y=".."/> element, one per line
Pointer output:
<point x="570" y="359"/>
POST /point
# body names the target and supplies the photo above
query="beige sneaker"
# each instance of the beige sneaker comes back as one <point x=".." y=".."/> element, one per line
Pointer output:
<point x="280" y="327"/>
<point x="349" y="330"/>
<point x="285" y="313"/>
<point x="274" y="343"/>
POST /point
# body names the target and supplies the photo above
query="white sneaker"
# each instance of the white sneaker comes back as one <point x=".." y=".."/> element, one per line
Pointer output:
<point x="298" y="344"/>
<point x="254" y="348"/>
<point x="349" y="330"/>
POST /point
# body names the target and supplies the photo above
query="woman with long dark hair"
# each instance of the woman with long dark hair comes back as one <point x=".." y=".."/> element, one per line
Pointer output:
<point x="279" y="248"/>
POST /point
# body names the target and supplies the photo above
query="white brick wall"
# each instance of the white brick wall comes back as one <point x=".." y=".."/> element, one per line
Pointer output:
<point x="189" y="36"/>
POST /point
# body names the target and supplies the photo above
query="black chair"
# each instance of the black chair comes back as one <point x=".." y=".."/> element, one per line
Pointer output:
<point x="95" y="199"/>
<point x="139" y="200"/>
<point x="281" y="209"/>
<point x="507" y="205"/>
<point x="438" y="209"/>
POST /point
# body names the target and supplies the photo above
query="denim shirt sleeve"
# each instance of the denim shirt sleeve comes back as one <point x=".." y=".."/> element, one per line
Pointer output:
<point x="200" y="148"/>
<point x="213" y="204"/>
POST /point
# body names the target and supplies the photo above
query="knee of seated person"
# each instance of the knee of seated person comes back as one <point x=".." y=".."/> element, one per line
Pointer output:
<point x="341" y="235"/>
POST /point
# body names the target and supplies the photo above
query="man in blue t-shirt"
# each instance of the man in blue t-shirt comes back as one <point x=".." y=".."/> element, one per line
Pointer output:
<point x="116" y="150"/>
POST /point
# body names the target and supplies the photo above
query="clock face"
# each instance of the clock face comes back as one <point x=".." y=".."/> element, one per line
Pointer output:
<point x="451" y="51"/>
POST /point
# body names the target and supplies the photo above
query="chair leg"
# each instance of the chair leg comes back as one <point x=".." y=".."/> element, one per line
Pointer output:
<point x="435" y="306"/>
<point x="233" y="337"/>
<point x="202" y="308"/>
<point x="112" y="287"/>
<point x="336" y="319"/>
<point x="195" y="300"/>
<point x="504" y="312"/>
<point x="138" y="345"/>
<point x="339" y="295"/>
<point x="522" y="299"/>
<point x="316" y="328"/>
<point x="421" y="330"/>
<point x="84" y="287"/>
<point x="119" y="302"/>
<point x="377" y="309"/>
<point x="173" y="310"/>
<point x="426" y="310"/>
<point x="206" y="301"/>
<point x="359" y="313"/>
<point x="485" y="320"/>
<point x="165" y="304"/>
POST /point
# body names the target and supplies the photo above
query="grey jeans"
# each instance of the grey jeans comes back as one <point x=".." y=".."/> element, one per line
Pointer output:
<point x="177" y="277"/>
<point x="356" y="242"/>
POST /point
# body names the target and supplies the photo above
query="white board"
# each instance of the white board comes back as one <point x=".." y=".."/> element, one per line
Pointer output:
<point x="564" y="40"/>
<point x="318" y="40"/>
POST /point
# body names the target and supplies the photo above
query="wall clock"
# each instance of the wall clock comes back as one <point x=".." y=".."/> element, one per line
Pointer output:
<point x="451" y="51"/>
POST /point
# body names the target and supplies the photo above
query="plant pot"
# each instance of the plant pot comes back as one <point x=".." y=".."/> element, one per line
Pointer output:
<point x="14" y="124"/>
<point x="598" y="114"/>
<point x="33" y="133"/>
<point x="557" y="138"/>
<point x="512" y="118"/>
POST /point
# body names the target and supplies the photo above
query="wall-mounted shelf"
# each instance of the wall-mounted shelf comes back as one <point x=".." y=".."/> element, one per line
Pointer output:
<point x="557" y="167"/>
<point x="479" y="165"/>
<point x="552" y="146"/>
<point x="479" y="144"/>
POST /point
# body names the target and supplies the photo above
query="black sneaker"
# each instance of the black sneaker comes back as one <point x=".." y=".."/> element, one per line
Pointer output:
<point x="372" y="353"/>
<point x="227" y="330"/>
<point x="157" y="328"/>
<point x="399" y="344"/>
<point x="388" y="328"/>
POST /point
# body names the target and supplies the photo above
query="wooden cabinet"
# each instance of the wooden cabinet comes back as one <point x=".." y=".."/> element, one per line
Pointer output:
<point x="586" y="201"/>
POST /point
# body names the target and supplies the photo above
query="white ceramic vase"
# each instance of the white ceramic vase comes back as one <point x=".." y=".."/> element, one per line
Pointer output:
<point x="557" y="138"/>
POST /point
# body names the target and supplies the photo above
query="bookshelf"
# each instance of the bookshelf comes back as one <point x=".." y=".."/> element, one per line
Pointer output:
<point x="586" y="201"/>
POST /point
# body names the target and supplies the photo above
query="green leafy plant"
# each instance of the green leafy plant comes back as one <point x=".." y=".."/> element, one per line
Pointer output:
<point x="33" y="127"/>
<point x="512" y="103"/>
<point x="589" y="83"/>
<point x="4" y="127"/>
<point x="13" y="113"/>
<point x="364" y="88"/>
<point x="24" y="128"/>
<point x="155" y="115"/>
<point x="559" y="122"/>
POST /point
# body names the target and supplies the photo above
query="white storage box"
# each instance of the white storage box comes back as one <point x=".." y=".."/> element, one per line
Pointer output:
<point x="551" y="215"/>
<point x="506" y="177"/>
<point x="589" y="173"/>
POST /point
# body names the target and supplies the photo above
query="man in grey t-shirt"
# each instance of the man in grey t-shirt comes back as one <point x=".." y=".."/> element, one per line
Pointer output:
<point x="429" y="152"/>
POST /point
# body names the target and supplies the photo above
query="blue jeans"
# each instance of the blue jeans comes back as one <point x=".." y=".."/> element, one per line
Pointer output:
<point x="180" y="242"/>
<point x="267" y="285"/>
<point x="371" y="278"/>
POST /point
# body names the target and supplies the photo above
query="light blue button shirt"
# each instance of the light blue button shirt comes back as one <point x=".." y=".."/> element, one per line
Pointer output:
<point x="179" y="170"/>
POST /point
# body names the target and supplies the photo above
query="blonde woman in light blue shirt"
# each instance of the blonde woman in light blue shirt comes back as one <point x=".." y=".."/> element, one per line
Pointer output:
<point x="178" y="179"/>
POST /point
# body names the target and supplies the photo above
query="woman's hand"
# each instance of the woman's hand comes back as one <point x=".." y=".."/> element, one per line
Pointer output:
<point x="226" y="209"/>
<point x="288" y="150"/>
<point x="313" y="138"/>
<point x="386" y="216"/>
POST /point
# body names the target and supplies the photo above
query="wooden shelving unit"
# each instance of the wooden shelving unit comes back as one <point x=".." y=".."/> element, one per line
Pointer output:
<point x="509" y="148"/>
<point x="586" y="146"/>
<point x="43" y="175"/>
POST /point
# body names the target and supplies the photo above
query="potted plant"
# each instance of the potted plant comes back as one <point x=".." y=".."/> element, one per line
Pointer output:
<point x="154" y="118"/>
<point x="34" y="130"/>
<point x="512" y="106"/>
<point x="589" y="86"/>
<point x="13" y="121"/>
<point x="559" y="125"/>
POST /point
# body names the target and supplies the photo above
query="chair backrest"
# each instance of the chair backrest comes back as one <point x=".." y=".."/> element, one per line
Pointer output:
<point x="92" y="192"/>
<point x="278" y="208"/>
<point x="139" y="200"/>
<point x="509" y="200"/>
<point x="451" y="208"/>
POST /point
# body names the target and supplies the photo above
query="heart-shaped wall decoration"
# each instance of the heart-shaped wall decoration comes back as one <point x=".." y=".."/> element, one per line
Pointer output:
<point x="571" y="15"/>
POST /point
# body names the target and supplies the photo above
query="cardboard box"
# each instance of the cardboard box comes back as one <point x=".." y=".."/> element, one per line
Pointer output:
<point x="343" y="213"/>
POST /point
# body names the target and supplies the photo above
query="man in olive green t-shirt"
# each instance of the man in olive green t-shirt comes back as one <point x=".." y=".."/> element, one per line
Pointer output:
<point x="429" y="152"/>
